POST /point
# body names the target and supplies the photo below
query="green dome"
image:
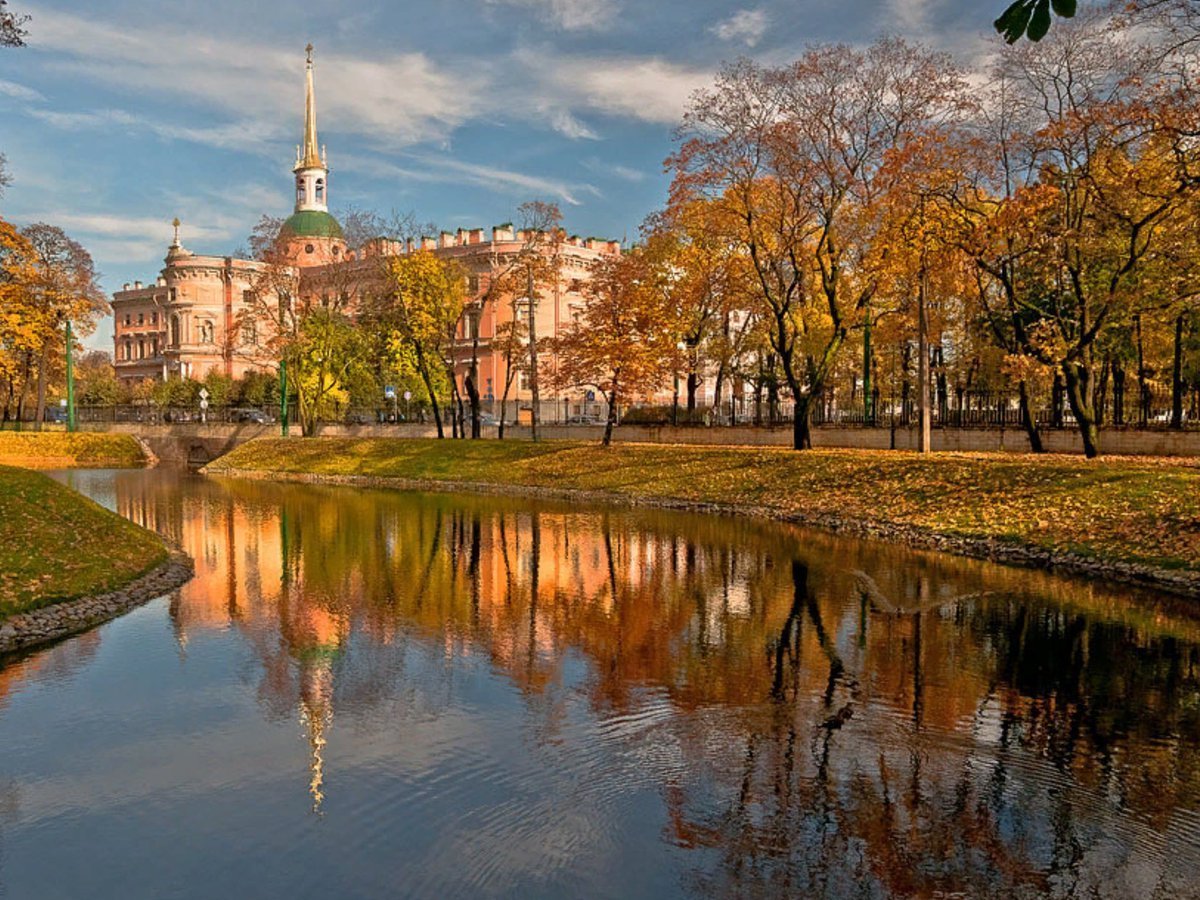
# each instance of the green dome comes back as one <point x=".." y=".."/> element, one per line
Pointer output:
<point x="312" y="223"/>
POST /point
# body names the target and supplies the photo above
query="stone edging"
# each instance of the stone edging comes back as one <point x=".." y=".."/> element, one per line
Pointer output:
<point x="1028" y="555"/>
<point x="59" y="620"/>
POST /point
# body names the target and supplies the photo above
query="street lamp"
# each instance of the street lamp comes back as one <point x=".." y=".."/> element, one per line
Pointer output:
<point x="70" y="401"/>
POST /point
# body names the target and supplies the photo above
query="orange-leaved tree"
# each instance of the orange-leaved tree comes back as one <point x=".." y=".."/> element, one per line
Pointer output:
<point x="623" y="341"/>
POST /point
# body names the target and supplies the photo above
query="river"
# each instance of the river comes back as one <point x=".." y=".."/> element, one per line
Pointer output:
<point x="366" y="693"/>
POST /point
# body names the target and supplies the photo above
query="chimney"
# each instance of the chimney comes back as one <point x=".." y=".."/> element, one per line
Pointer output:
<point x="137" y="285"/>
<point x="125" y="286"/>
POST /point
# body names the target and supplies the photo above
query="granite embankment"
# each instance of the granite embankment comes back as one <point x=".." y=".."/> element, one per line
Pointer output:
<point x="67" y="563"/>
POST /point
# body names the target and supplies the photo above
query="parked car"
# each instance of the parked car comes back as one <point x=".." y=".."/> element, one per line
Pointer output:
<point x="489" y="420"/>
<point x="359" y="418"/>
<point x="583" y="420"/>
<point x="253" y="416"/>
<point x="56" y="414"/>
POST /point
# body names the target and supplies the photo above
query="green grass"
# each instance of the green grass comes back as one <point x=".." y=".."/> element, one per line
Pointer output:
<point x="1145" y="511"/>
<point x="57" y="449"/>
<point x="56" y="545"/>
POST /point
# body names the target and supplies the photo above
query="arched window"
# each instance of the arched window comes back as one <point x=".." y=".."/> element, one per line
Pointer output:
<point x="320" y="190"/>
<point x="300" y="189"/>
<point x="175" y="331"/>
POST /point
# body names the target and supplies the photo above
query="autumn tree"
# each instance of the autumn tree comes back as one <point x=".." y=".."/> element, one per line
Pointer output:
<point x="1082" y="189"/>
<point x="418" y="311"/>
<point x="623" y="341"/>
<point x="12" y="27"/>
<point x="20" y="332"/>
<point x="792" y="156"/>
<point x="64" y="287"/>
<point x="705" y="279"/>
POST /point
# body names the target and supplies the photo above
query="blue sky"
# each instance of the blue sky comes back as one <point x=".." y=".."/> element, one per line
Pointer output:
<point x="122" y="114"/>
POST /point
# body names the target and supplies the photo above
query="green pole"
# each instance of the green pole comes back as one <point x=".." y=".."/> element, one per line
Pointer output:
<point x="868" y="412"/>
<point x="70" y="380"/>
<point x="283" y="404"/>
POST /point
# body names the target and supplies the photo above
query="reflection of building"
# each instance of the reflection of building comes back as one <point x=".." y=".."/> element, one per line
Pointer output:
<point x="187" y="323"/>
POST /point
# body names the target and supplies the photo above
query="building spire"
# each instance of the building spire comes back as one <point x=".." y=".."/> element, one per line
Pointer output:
<point x="310" y="156"/>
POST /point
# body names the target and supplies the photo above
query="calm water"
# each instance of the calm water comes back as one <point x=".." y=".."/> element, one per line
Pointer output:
<point x="367" y="694"/>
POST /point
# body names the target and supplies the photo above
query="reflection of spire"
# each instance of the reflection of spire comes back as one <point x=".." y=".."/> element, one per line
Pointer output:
<point x="316" y="714"/>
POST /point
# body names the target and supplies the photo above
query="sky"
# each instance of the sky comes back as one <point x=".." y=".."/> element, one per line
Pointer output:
<point x="120" y="115"/>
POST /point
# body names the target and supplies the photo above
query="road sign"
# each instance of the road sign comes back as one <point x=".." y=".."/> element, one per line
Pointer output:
<point x="203" y="403"/>
<point x="203" y="393"/>
<point x="389" y="392"/>
<point x="408" y="395"/>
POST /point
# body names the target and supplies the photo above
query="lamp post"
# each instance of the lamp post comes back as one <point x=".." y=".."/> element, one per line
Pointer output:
<point x="283" y="402"/>
<point x="868" y="411"/>
<point x="70" y="380"/>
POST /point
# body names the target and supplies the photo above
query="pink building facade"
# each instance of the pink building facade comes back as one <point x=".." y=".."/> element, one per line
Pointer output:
<point x="186" y="323"/>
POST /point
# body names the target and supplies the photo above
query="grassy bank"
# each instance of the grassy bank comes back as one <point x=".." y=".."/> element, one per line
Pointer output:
<point x="59" y="450"/>
<point x="57" y="545"/>
<point x="1141" y="511"/>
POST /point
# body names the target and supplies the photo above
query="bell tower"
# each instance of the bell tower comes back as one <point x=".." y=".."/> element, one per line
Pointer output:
<point x="311" y="236"/>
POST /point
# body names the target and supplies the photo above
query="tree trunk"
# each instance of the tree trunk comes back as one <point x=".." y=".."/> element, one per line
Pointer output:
<point x="693" y="384"/>
<point x="472" y="386"/>
<point x="433" y="403"/>
<point x="611" y="421"/>
<point x="1027" y="420"/>
<point x="1078" y="380"/>
<point x="40" y="414"/>
<point x="533" y="361"/>
<point x="801" y="430"/>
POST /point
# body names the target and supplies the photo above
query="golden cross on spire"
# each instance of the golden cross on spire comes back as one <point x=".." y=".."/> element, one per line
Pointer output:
<point x="309" y="50"/>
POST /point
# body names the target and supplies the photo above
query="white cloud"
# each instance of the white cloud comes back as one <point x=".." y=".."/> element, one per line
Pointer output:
<point x="745" y="26"/>
<point x="648" y="89"/>
<point x="572" y="15"/>
<point x="625" y="173"/>
<point x="19" y="91"/>
<point x="911" y="15"/>
<point x="401" y="98"/>
<point x="444" y="169"/>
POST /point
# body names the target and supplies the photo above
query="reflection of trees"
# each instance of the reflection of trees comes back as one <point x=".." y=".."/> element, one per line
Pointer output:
<point x="976" y="733"/>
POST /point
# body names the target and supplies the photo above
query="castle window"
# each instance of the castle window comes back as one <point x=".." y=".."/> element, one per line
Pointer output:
<point x="129" y="350"/>
<point x="154" y="346"/>
<point x="320" y="190"/>
<point x="249" y="333"/>
<point x="206" y="332"/>
<point x="175" y="331"/>
<point x="299" y="190"/>
<point x="309" y="248"/>
<point x="128" y="319"/>
<point x="154" y="318"/>
<point x="141" y="349"/>
<point x="141" y="318"/>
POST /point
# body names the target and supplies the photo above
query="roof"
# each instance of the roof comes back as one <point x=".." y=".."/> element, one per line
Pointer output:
<point x="312" y="223"/>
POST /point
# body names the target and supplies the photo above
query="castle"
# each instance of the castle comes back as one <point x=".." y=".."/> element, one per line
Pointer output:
<point x="186" y="323"/>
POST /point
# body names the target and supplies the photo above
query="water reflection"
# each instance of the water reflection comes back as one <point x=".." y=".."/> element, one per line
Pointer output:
<point x="815" y="716"/>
